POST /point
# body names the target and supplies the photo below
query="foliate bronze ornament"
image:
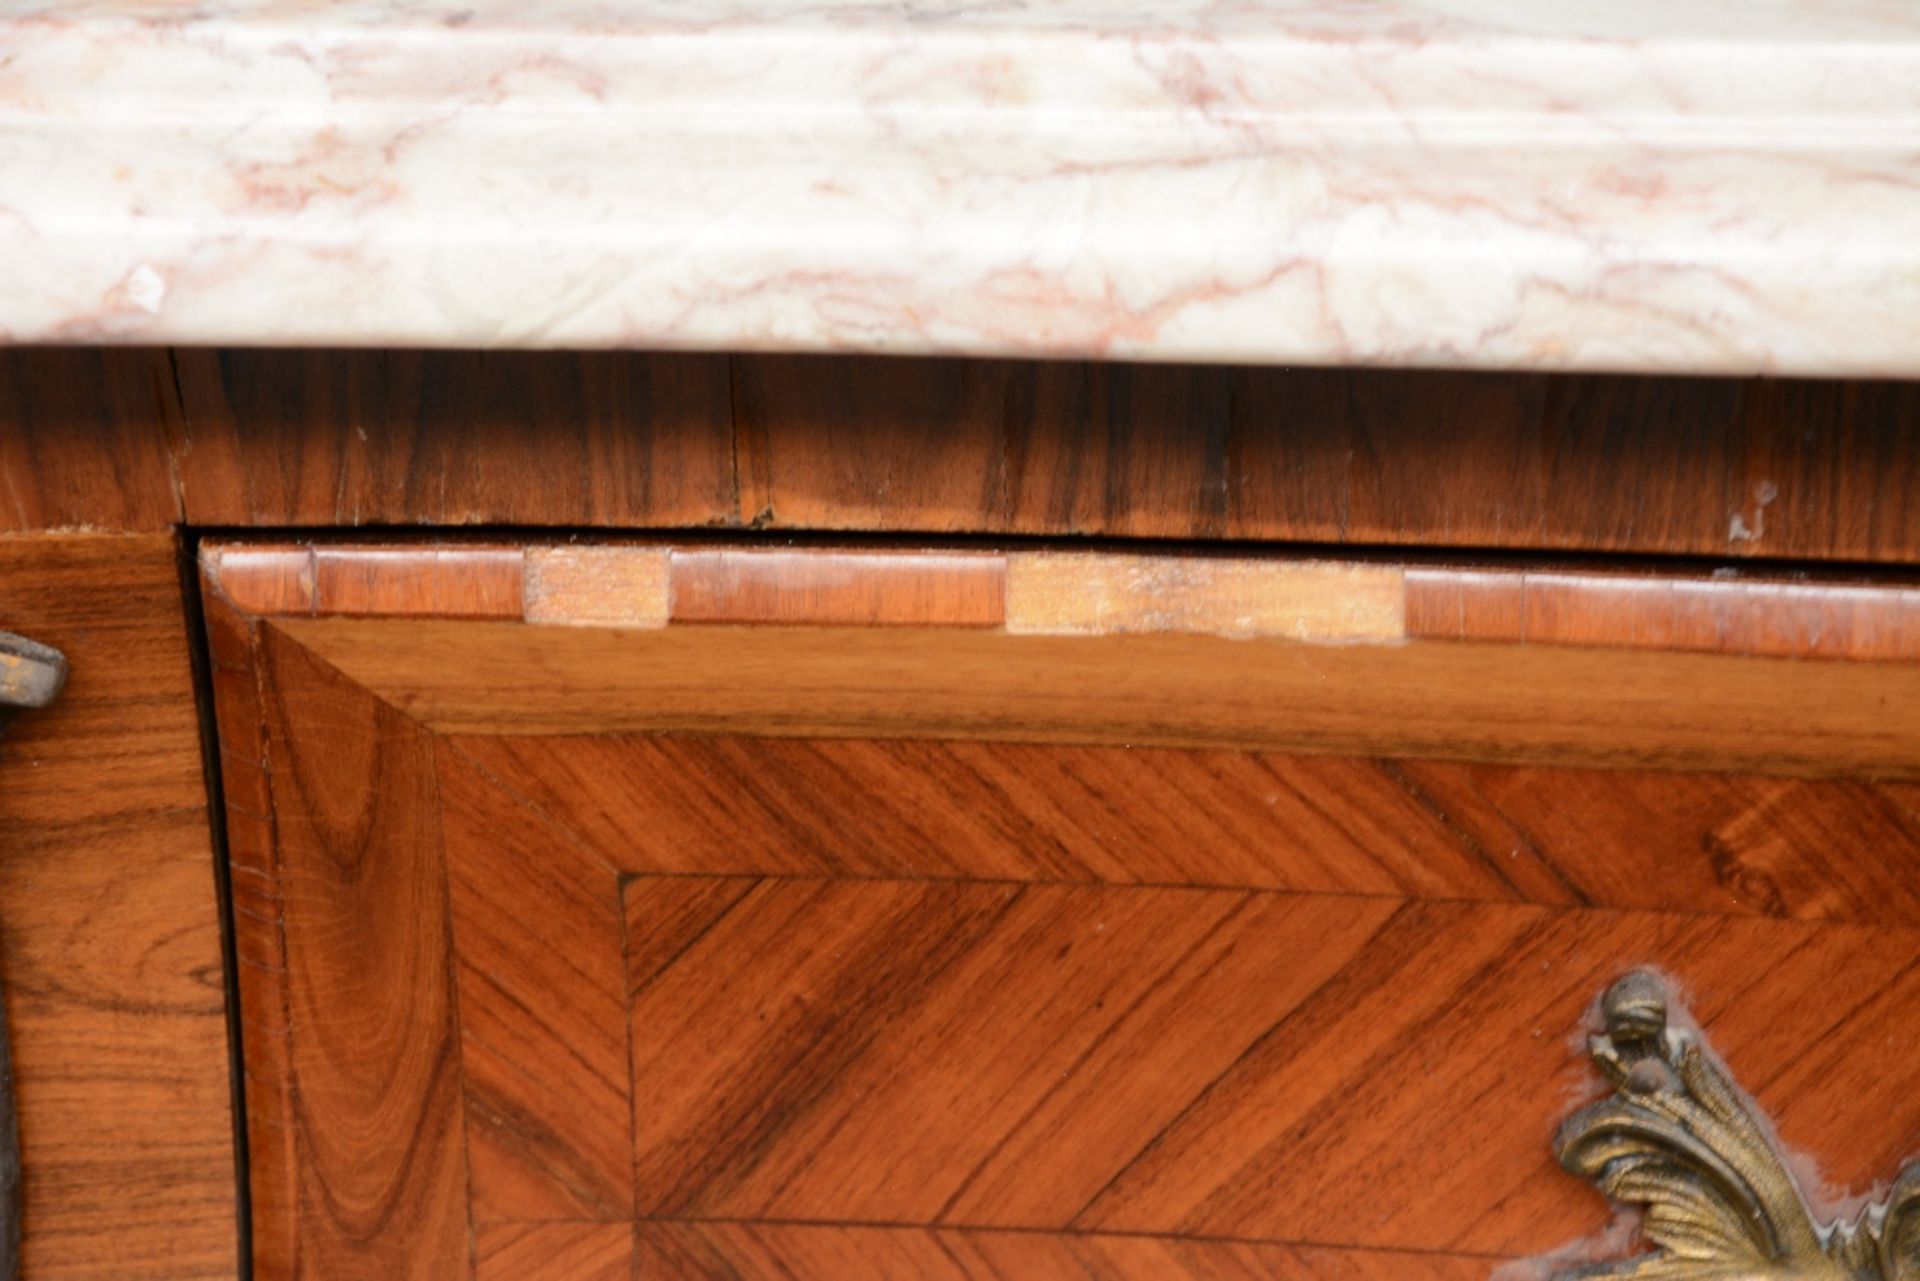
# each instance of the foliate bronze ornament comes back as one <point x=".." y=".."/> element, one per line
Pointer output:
<point x="1680" y="1140"/>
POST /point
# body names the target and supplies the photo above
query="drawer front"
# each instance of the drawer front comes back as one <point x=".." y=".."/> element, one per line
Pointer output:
<point x="707" y="912"/>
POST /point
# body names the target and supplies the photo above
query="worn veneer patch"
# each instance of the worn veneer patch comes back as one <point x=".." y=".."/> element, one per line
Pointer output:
<point x="597" y="586"/>
<point x="1078" y="594"/>
<point x="838" y="587"/>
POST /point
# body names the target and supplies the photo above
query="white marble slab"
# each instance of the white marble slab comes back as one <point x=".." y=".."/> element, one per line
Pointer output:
<point x="1704" y="185"/>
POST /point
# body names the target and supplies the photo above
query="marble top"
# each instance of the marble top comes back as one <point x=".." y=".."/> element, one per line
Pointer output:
<point x="1678" y="185"/>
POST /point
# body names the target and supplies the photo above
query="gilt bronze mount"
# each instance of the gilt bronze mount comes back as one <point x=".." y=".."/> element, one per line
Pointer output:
<point x="1678" y="1139"/>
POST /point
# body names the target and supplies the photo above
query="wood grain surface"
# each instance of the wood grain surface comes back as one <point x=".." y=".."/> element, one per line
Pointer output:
<point x="561" y="1251"/>
<point x="109" y="926"/>
<point x="810" y="1252"/>
<point x="1703" y="467"/>
<point x="824" y="444"/>
<point x="1714" y="844"/>
<point x="590" y="1251"/>
<point x="109" y="929"/>
<point x="767" y="1003"/>
<point x="259" y="955"/>
<point x="453" y="438"/>
<point x="1066" y="591"/>
<point x="1190" y="1062"/>
<point x="1700" y="467"/>
<point x="434" y="582"/>
<point x="538" y="927"/>
<point x="83" y="440"/>
<point x="1710" y="467"/>
<point x="1801" y="618"/>
<point x="1625" y="708"/>
<point x="371" y="1137"/>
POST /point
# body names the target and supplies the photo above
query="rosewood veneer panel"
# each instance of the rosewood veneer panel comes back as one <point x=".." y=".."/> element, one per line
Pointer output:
<point x="1836" y="850"/>
<point x="1179" y="1062"/>
<point x="802" y="1252"/>
<point x="139" y="440"/>
<point x="1703" y="467"/>
<point x="563" y="1251"/>
<point x="110" y="927"/>
<point x="1623" y="708"/>
<point x="83" y="440"/>
<point x="275" y="437"/>
<point x="345" y="971"/>
<point x="857" y="977"/>
<point x="542" y="992"/>
<point x="1710" y="467"/>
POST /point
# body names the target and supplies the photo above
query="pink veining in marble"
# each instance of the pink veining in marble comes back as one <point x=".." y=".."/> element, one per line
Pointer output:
<point x="1704" y="185"/>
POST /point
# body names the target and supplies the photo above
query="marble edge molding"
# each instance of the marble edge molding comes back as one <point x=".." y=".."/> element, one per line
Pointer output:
<point x="1713" y="187"/>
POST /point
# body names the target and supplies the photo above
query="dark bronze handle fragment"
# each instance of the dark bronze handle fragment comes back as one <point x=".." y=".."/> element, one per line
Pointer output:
<point x="31" y="675"/>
